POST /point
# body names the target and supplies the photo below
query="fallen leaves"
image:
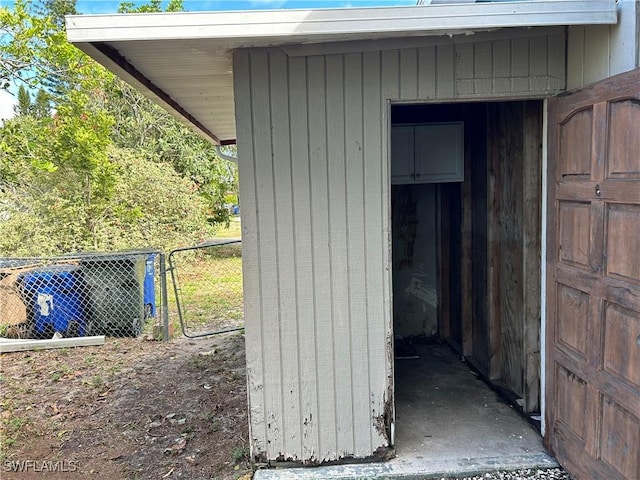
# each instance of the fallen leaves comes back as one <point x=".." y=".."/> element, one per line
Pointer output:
<point x="177" y="448"/>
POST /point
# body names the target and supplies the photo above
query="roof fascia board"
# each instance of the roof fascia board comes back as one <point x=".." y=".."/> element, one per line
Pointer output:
<point x="275" y="27"/>
<point x="356" y="46"/>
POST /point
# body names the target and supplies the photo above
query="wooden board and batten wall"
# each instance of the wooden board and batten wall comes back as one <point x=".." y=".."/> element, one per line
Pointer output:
<point x="501" y="316"/>
<point x="313" y="157"/>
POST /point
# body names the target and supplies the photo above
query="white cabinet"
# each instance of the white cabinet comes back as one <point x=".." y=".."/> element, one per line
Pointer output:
<point x="427" y="153"/>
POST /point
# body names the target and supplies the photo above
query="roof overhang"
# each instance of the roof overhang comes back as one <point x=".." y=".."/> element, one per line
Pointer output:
<point x="183" y="60"/>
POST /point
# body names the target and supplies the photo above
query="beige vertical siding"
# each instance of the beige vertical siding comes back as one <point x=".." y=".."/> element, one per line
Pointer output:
<point x="314" y="178"/>
<point x="596" y="52"/>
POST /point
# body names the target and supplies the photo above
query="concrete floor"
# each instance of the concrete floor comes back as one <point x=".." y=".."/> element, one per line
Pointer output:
<point x="448" y="423"/>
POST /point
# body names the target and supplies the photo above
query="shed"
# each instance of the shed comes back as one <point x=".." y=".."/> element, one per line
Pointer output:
<point x="469" y="171"/>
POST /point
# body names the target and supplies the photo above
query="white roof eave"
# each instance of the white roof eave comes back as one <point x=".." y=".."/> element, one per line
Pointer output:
<point x="270" y="27"/>
<point x="223" y="32"/>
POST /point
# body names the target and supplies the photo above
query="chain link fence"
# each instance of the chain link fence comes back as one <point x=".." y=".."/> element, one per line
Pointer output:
<point x="207" y="282"/>
<point x="112" y="294"/>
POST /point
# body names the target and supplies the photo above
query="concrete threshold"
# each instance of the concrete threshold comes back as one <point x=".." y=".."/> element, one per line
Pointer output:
<point x="411" y="469"/>
<point x="449" y="424"/>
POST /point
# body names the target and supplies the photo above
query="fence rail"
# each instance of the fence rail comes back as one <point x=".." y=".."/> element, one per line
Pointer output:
<point x="117" y="294"/>
<point x="111" y="294"/>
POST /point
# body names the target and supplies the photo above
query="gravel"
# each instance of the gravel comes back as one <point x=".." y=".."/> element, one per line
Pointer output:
<point x="528" y="474"/>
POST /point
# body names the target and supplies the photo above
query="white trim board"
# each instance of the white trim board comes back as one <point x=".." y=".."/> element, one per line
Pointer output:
<point x="11" y="345"/>
<point x="268" y="28"/>
<point x="167" y="55"/>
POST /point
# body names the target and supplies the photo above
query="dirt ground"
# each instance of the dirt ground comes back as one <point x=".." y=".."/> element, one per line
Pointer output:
<point x="130" y="409"/>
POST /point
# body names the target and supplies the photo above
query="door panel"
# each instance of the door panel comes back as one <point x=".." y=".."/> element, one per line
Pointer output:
<point x="593" y="280"/>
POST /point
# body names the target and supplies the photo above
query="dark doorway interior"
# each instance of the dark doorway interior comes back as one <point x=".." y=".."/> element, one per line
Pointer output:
<point x="466" y="278"/>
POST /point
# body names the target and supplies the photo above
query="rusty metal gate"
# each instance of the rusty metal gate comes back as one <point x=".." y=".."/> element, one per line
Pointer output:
<point x="207" y="283"/>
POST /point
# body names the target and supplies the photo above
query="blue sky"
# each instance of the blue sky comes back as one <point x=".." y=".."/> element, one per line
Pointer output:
<point x="111" y="6"/>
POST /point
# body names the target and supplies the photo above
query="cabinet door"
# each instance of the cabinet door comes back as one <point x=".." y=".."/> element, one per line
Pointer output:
<point x="402" y="154"/>
<point x="439" y="152"/>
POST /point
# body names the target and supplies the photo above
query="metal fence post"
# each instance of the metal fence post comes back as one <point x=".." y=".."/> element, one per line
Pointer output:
<point x="165" y="301"/>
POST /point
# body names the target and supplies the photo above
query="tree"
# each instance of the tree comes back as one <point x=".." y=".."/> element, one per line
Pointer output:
<point x="154" y="6"/>
<point x="64" y="177"/>
<point x="40" y="107"/>
<point x="23" y="107"/>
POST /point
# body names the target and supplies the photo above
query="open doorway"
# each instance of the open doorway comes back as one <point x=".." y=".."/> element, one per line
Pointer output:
<point x="465" y="201"/>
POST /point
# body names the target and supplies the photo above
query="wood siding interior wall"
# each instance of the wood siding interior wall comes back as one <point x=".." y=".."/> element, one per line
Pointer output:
<point x="515" y="132"/>
<point x="489" y="303"/>
<point x="314" y="181"/>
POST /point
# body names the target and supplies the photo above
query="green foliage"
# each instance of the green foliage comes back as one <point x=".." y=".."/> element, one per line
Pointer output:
<point x="239" y="454"/>
<point x="110" y="169"/>
<point x="24" y="102"/>
<point x="144" y="126"/>
<point x="150" y="205"/>
<point x="153" y="6"/>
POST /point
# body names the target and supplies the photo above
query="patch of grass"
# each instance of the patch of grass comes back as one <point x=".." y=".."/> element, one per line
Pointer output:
<point x="91" y="359"/>
<point x="214" y="422"/>
<point x="11" y="430"/>
<point x="189" y="432"/>
<point x="234" y="230"/>
<point x="60" y="371"/>
<point x="239" y="454"/>
<point x="211" y="288"/>
<point x="98" y="383"/>
<point x="198" y="362"/>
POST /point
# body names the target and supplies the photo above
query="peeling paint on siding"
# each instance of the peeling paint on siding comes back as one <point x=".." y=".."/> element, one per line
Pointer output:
<point x="312" y="147"/>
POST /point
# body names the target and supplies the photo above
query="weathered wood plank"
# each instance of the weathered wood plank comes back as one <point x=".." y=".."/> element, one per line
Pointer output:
<point x="445" y="65"/>
<point x="531" y="225"/>
<point x="465" y="69"/>
<point x="338" y="227"/>
<point x="316" y="100"/>
<point x="250" y="256"/>
<point x="377" y="245"/>
<point x="538" y="57"/>
<point x="283" y="213"/>
<point x="427" y="73"/>
<point x="511" y="262"/>
<point x="321" y="274"/>
<point x="302" y="248"/>
<point x="520" y="65"/>
<point x="267" y="251"/>
<point x="483" y="71"/>
<point x="408" y="74"/>
<point x="502" y="66"/>
<point x="466" y="284"/>
<point x="623" y="56"/>
<point x="556" y="55"/>
<point x="575" y="59"/>
<point x="494" y="187"/>
<point x="479" y="202"/>
<point x="354" y="140"/>
<point x="596" y="53"/>
<point x="390" y="71"/>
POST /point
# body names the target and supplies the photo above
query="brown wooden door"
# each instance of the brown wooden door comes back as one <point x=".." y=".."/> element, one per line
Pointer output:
<point x="593" y="280"/>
